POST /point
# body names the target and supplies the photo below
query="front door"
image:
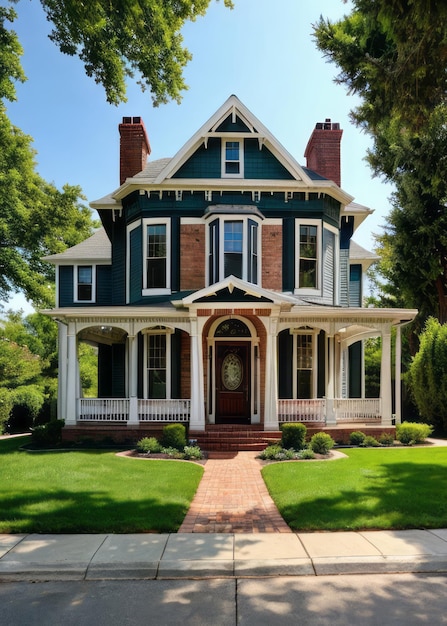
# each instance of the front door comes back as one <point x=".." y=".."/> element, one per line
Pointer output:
<point x="233" y="378"/>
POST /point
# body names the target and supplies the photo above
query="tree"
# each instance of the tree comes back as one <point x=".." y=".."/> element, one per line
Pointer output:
<point x="120" y="38"/>
<point x="428" y="374"/>
<point x="393" y="54"/>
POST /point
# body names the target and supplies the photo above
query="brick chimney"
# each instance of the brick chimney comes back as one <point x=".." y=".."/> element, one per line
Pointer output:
<point x="134" y="147"/>
<point x="323" y="150"/>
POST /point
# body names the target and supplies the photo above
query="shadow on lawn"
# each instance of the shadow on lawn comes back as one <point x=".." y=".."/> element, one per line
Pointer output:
<point x="395" y="495"/>
<point x="85" y="512"/>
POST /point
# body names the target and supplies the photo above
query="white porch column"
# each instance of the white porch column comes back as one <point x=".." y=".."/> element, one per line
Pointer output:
<point x="62" y="372"/>
<point x="398" y="373"/>
<point x="133" y="380"/>
<point x="385" y="378"/>
<point x="330" y="388"/>
<point x="72" y="376"/>
<point x="197" y="418"/>
<point x="271" y="377"/>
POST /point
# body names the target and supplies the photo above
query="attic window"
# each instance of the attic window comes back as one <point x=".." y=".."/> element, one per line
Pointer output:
<point x="232" y="159"/>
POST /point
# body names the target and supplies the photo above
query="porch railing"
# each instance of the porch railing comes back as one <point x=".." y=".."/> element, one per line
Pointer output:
<point x="301" y="410"/>
<point x="164" y="410"/>
<point x="357" y="409"/>
<point x="103" y="409"/>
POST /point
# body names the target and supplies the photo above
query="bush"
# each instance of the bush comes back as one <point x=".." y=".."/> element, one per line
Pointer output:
<point x="307" y="453"/>
<point x="370" y="442"/>
<point x="49" y="434"/>
<point x="357" y="438"/>
<point x="386" y="439"/>
<point x="293" y="436"/>
<point x="321" y="443"/>
<point x="410" y="433"/>
<point x="269" y="454"/>
<point x="147" y="445"/>
<point x="174" y="436"/>
<point x="6" y="405"/>
<point x="192" y="452"/>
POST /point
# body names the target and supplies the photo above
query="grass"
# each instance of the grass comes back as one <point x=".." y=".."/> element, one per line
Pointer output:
<point x="91" y="491"/>
<point x="386" y="489"/>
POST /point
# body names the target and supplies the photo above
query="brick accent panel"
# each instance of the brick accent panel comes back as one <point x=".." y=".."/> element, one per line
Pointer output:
<point x="192" y="261"/>
<point x="272" y="257"/>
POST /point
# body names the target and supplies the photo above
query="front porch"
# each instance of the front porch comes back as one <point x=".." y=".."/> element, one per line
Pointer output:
<point x="134" y="411"/>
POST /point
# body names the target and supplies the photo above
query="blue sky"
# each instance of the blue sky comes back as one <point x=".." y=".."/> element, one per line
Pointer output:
<point x="262" y="51"/>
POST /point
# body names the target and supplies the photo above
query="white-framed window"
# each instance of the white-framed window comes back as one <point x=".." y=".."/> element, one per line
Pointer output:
<point x="84" y="283"/>
<point x="233" y="249"/>
<point x="157" y="381"/>
<point x="156" y="256"/>
<point x="308" y="256"/>
<point x="304" y="382"/>
<point x="232" y="158"/>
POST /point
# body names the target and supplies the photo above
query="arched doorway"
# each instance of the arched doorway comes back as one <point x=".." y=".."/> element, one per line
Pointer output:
<point x="233" y="373"/>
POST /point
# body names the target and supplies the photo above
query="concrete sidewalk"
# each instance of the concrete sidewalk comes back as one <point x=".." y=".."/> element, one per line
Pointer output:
<point x="193" y="556"/>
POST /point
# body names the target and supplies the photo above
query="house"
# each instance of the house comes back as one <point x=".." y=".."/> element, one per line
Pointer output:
<point x="223" y="288"/>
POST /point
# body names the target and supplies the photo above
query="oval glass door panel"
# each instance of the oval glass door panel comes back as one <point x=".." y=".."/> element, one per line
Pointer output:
<point x="232" y="372"/>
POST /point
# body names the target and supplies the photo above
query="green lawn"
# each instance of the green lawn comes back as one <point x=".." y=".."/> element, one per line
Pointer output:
<point x="91" y="491"/>
<point x="372" y="488"/>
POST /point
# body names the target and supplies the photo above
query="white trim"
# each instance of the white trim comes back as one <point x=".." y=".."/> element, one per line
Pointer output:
<point x="224" y="159"/>
<point x="155" y="222"/>
<point x="76" y="283"/>
<point x="308" y="291"/>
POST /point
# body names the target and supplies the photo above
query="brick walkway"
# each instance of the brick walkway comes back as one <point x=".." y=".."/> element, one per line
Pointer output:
<point x="232" y="498"/>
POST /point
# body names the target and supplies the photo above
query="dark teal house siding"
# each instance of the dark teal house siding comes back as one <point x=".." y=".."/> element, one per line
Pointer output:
<point x="288" y="259"/>
<point x="136" y="264"/>
<point x="355" y="285"/>
<point x="103" y="285"/>
<point x="204" y="163"/>
<point x="119" y="262"/>
<point x="261" y="164"/>
<point x="321" y="382"/>
<point x="66" y="285"/>
<point x="228" y="126"/>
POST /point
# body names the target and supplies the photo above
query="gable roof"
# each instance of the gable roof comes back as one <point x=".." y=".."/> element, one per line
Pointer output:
<point x="160" y="174"/>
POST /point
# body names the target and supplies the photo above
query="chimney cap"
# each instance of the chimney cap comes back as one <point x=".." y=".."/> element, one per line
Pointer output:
<point x="327" y="125"/>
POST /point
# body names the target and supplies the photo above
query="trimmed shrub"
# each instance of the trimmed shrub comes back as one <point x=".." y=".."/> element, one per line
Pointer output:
<point x="147" y="445"/>
<point x="357" y="438"/>
<point x="174" y="436"/>
<point x="370" y="442"/>
<point x="321" y="443"/>
<point x="270" y="452"/>
<point x="410" y="433"/>
<point x="386" y="439"/>
<point x="49" y="434"/>
<point x="293" y="436"/>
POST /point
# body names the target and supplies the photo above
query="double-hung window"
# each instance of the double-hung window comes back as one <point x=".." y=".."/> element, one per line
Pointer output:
<point x="233" y="249"/>
<point x="156" y="257"/>
<point x="232" y="159"/>
<point x="308" y="256"/>
<point x="84" y="283"/>
<point x="157" y="383"/>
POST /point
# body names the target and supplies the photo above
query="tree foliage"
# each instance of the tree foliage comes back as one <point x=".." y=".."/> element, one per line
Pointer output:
<point x="117" y="39"/>
<point x="428" y="374"/>
<point x="393" y="54"/>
